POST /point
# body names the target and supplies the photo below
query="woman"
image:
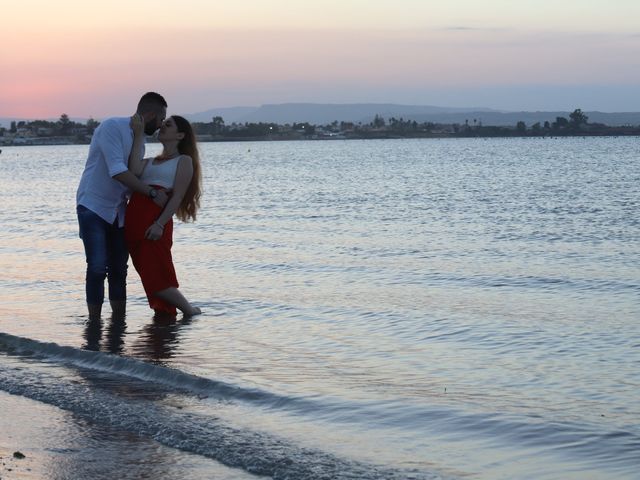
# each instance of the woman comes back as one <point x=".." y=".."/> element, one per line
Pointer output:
<point x="148" y="227"/>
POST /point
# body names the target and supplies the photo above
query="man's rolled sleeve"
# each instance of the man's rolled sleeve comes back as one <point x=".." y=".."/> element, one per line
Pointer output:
<point x="113" y="150"/>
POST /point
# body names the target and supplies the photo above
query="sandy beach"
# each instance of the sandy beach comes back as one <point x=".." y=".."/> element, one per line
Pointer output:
<point x="58" y="445"/>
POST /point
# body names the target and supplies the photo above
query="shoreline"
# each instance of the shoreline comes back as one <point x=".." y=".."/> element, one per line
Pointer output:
<point x="39" y="440"/>
<point x="44" y="142"/>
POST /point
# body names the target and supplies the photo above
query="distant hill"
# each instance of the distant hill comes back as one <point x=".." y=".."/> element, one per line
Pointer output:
<point x="322" y="114"/>
<point x="230" y="114"/>
<point x="529" y="118"/>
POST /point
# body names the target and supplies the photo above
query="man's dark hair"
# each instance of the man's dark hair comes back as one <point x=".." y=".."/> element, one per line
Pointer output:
<point x="151" y="101"/>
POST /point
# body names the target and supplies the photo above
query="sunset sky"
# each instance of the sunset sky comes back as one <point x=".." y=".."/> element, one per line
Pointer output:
<point x="95" y="59"/>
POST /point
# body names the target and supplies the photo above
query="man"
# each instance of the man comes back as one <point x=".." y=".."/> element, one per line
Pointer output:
<point x="101" y="200"/>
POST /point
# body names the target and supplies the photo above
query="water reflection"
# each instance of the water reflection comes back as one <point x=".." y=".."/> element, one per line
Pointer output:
<point x="114" y="335"/>
<point x="159" y="339"/>
<point x="92" y="334"/>
<point x="156" y="343"/>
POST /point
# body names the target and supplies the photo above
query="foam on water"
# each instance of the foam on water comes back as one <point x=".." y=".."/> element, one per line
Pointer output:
<point x="262" y="453"/>
<point x="135" y="368"/>
<point x="256" y="452"/>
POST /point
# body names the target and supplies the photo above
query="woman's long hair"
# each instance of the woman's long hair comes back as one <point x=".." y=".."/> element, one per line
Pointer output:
<point x="191" y="201"/>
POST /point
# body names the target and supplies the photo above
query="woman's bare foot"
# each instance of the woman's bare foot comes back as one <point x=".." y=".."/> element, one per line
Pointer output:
<point x="192" y="311"/>
<point x="173" y="296"/>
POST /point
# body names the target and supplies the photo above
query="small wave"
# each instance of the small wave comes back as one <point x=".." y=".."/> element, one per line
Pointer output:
<point x="256" y="452"/>
<point x="130" y="367"/>
<point x="524" y="282"/>
<point x="613" y="448"/>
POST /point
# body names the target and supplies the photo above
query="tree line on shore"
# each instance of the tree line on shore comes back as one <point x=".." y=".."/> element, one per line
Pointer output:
<point x="379" y="127"/>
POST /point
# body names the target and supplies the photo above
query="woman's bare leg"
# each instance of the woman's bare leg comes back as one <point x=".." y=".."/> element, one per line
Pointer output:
<point x="173" y="296"/>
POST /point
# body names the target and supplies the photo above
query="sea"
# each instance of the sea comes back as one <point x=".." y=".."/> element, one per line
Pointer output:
<point x="372" y="309"/>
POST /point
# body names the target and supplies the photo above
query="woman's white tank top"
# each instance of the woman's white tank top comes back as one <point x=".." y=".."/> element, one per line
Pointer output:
<point x="163" y="174"/>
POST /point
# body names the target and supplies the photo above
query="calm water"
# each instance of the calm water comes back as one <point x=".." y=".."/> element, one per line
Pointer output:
<point x="373" y="309"/>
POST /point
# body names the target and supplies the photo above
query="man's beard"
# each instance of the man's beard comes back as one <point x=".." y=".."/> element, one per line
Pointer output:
<point x="150" y="128"/>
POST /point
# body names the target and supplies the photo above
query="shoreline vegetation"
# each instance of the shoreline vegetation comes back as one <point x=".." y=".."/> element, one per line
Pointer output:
<point x="67" y="132"/>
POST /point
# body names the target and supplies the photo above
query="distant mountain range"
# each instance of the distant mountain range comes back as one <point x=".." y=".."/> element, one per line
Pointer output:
<point x="322" y="114"/>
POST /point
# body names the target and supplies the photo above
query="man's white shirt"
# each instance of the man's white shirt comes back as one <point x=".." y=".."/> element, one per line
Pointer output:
<point x="108" y="156"/>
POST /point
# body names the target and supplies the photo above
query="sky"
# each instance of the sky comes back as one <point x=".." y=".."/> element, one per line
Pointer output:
<point x="95" y="59"/>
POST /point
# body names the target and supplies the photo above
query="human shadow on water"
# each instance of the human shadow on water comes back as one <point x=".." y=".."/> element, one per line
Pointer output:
<point x="102" y="445"/>
<point x="159" y="339"/>
<point x="156" y="342"/>
<point x="116" y="330"/>
<point x="92" y="334"/>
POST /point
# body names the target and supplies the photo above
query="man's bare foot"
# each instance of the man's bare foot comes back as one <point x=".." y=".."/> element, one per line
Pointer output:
<point x="118" y="308"/>
<point x="95" y="311"/>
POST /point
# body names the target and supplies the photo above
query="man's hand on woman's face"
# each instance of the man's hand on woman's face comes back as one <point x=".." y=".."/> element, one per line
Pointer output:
<point x="137" y="123"/>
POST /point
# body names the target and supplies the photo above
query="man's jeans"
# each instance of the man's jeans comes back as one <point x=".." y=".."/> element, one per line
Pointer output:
<point x="107" y="256"/>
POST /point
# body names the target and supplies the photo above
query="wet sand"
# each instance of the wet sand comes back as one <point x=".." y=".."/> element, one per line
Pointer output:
<point x="58" y="445"/>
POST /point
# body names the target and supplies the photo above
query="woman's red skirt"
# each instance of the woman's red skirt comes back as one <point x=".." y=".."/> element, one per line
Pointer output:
<point x="151" y="258"/>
